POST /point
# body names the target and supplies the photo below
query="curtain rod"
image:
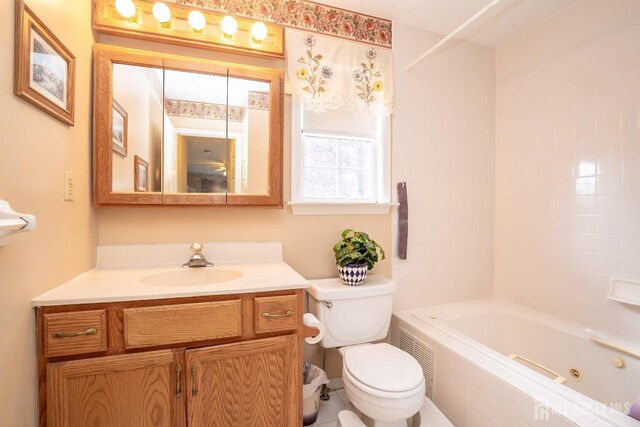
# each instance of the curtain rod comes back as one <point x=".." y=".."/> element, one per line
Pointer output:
<point x="452" y="34"/>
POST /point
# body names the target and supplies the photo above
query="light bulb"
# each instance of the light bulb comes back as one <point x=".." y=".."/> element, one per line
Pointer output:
<point x="229" y="26"/>
<point x="197" y="20"/>
<point x="126" y="8"/>
<point x="161" y="12"/>
<point x="259" y="31"/>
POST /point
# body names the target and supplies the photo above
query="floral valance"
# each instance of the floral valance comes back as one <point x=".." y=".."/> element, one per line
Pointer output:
<point x="307" y="15"/>
<point x="329" y="73"/>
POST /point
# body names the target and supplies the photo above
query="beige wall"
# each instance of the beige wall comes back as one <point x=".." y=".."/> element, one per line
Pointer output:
<point x="307" y="239"/>
<point x="568" y="164"/>
<point x="35" y="150"/>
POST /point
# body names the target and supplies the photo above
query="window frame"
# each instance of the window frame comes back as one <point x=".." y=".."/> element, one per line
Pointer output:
<point x="381" y="174"/>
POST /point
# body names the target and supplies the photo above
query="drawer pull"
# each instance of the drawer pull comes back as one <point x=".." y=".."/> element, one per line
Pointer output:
<point x="88" y="331"/>
<point x="287" y="313"/>
<point x="178" y="387"/>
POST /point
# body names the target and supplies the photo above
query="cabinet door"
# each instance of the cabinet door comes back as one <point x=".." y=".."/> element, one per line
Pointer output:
<point x="248" y="384"/>
<point x="117" y="391"/>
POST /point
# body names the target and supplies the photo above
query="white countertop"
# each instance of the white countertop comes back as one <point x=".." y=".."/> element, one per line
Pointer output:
<point x="96" y="286"/>
<point x="114" y="280"/>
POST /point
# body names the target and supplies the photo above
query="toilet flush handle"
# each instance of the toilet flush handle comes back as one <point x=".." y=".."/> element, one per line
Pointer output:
<point x="327" y="304"/>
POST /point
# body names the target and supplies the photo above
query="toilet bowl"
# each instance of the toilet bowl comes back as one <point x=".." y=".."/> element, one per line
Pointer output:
<point x="384" y="383"/>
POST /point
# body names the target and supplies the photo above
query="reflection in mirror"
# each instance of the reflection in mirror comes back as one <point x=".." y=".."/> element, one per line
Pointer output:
<point x="195" y="133"/>
<point x="210" y="147"/>
<point x="202" y="164"/>
<point x="136" y="129"/>
<point x="252" y="144"/>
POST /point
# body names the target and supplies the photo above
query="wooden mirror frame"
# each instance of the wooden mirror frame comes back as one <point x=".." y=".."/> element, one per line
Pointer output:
<point x="103" y="196"/>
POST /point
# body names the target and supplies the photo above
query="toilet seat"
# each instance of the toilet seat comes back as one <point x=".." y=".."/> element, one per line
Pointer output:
<point x="383" y="370"/>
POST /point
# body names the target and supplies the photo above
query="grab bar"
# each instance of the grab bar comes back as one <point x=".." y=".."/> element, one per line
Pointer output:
<point x="622" y="349"/>
<point x="558" y="378"/>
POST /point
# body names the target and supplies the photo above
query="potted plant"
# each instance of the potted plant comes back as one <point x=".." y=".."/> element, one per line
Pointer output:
<point x="356" y="254"/>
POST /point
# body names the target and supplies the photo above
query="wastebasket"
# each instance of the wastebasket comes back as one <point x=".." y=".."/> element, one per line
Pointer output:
<point x="314" y="379"/>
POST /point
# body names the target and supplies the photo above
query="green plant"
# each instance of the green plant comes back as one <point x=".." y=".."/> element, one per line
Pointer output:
<point x="357" y="247"/>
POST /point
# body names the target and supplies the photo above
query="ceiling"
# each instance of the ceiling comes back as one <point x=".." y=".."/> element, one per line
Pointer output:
<point x="505" y="21"/>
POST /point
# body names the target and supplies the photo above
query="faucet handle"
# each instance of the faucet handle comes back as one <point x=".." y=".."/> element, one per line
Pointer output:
<point x="196" y="248"/>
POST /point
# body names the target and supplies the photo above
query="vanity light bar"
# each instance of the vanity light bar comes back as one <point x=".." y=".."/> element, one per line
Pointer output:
<point x="179" y="24"/>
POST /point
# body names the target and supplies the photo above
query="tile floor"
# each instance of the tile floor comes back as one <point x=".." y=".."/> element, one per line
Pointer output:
<point x="328" y="415"/>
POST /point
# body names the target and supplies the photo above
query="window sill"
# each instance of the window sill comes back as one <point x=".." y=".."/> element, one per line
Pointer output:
<point x="337" y="208"/>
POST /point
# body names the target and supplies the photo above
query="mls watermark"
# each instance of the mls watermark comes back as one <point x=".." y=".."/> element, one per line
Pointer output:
<point x="543" y="408"/>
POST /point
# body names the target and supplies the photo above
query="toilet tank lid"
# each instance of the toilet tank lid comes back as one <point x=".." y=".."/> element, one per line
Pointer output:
<point x="334" y="289"/>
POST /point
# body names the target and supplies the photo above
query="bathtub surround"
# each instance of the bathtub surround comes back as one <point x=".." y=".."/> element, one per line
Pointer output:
<point x="476" y="386"/>
<point x="443" y="147"/>
<point x="568" y="164"/>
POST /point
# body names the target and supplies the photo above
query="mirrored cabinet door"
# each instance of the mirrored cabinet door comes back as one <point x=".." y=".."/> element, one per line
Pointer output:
<point x="249" y="135"/>
<point x="171" y="130"/>
<point x="137" y="116"/>
<point x="196" y="147"/>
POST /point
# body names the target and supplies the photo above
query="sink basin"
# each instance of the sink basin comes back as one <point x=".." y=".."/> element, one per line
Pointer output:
<point x="191" y="277"/>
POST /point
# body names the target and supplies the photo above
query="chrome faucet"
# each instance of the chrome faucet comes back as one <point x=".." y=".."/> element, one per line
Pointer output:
<point x="197" y="259"/>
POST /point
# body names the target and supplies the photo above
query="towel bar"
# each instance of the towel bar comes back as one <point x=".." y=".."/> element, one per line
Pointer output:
<point x="13" y="222"/>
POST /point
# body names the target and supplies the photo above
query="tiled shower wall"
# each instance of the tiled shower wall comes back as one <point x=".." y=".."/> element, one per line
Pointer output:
<point x="567" y="210"/>
<point x="443" y="138"/>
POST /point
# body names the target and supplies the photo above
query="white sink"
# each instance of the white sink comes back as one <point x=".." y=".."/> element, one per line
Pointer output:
<point x="191" y="277"/>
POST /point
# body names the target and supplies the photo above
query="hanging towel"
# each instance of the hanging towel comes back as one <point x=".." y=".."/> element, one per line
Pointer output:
<point x="634" y="412"/>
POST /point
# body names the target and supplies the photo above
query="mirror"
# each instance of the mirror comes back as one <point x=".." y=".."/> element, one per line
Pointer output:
<point x="183" y="131"/>
<point x="136" y="129"/>
<point x="216" y="134"/>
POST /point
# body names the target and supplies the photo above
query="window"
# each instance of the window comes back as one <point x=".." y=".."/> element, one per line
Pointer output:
<point x="340" y="162"/>
<point x="338" y="167"/>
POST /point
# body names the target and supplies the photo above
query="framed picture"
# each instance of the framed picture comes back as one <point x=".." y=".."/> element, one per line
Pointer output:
<point x="44" y="70"/>
<point x="140" y="175"/>
<point x="119" y="129"/>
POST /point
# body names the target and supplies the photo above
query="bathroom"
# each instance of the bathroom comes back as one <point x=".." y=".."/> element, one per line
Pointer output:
<point x="518" y="143"/>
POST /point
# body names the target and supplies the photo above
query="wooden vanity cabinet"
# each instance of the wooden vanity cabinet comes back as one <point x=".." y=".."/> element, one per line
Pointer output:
<point x="243" y="371"/>
<point x="125" y="390"/>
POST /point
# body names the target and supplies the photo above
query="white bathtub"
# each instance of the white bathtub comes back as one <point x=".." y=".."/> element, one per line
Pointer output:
<point x="472" y="341"/>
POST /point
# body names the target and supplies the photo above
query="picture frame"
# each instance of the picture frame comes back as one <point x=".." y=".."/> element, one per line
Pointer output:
<point x="119" y="129"/>
<point x="140" y="175"/>
<point x="44" y="69"/>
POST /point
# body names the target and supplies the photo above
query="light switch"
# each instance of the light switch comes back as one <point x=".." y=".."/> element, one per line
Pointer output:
<point x="68" y="186"/>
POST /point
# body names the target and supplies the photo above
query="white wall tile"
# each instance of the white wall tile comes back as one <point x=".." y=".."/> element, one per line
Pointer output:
<point x="594" y="122"/>
<point x="444" y="148"/>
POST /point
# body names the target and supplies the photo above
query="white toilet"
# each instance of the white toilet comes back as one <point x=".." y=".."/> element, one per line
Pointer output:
<point x="384" y="383"/>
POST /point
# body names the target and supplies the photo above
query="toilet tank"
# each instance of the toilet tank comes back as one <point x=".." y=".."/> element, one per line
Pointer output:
<point x="352" y="314"/>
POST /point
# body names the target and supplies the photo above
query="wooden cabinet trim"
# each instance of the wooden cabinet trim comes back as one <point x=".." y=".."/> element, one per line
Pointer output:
<point x="79" y="322"/>
<point x="276" y="306"/>
<point x="116" y="346"/>
<point x="103" y="196"/>
<point x="267" y="358"/>
<point x="182" y="323"/>
<point x="60" y="374"/>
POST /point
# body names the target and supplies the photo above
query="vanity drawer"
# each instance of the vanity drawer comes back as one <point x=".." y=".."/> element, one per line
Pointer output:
<point x="76" y="332"/>
<point x="275" y="314"/>
<point x="173" y="324"/>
